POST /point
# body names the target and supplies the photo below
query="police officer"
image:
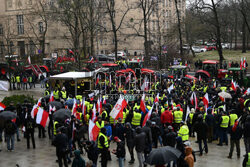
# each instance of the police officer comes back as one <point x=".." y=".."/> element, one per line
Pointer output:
<point x="223" y="122"/>
<point x="103" y="146"/>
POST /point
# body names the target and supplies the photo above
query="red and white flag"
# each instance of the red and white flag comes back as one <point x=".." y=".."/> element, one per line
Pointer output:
<point x="83" y="106"/>
<point x="74" y="108"/>
<point x="200" y="78"/>
<point x="110" y="81"/>
<point x="94" y="113"/>
<point x="70" y="51"/>
<point x="187" y="113"/>
<point x="93" y="131"/>
<point x="2" y="106"/>
<point x="214" y="86"/>
<point x="142" y="104"/>
<point x="244" y="62"/>
<point x="99" y="105"/>
<point x="104" y="100"/>
<point x="157" y="98"/>
<point x="39" y="102"/>
<point x="241" y="64"/>
<point x="171" y="88"/>
<point x="42" y="117"/>
<point x="205" y="100"/>
<point x="34" y="111"/>
<point x="16" y="62"/>
<point x="247" y="91"/>
<point x="29" y="60"/>
<point x="145" y="85"/>
<point x="147" y="116"/>
<point x="97" y="79"/>
<point x="233" y="85"/>
<point x="51" y="98"/>
<point x="117" y="111"/>
<point x="194" y="100"/>
<point x="128" y="78"/>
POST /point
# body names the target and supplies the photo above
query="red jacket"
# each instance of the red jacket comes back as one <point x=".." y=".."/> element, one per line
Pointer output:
<point x="167" y="117"/>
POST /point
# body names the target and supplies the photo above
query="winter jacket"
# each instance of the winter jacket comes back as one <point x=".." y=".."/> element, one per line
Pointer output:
<point x="119" y="131"/>
<point x="147" y="130"/>
<point x="246" y="130"/>
<point x="120" y="150"/>
<point x="189" y="157"/>
<point x="129" y="135"/>
<point x="10" y="128"/>
<point x="201" y="128"/>
<point x="171" y="139"/>
<point x="78" y="160"/>
<point x="61" y="142"/>
<point x="210" y="120"/>
<point x="140" y="141"/>
<point x="167" y="117"/>
<point x="237" y="134"/>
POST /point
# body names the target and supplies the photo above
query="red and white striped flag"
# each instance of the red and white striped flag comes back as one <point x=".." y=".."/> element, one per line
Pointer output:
<point x="93" y="131"/>
<point x="233" y="85"/>
<point x="110" y="81"/>
<point x="157" y="98"/>
<point x="194" y="100"/>
<point x="200" y="78"/>
<point x="83" y="106"/>
<point x="94" y="113"/>
<point x="39" y="102"/>
<point x="244" y="62"/>
<point x="104" y="100"/>
<point x="51" y="98"/>
<point x="241" y="64"/>
<point x="205" y="100"/>
<point x="29" y="60"/>
<point x="97" y="79"/>
<point x="142" y="104"/>
<point x="99" y="105"/>
<point x="147" y="116"/>
<point x="16" y="62"/>
<point x="2" y="106"/>
<point x="42" y="117"/>
<point x="145" y="85"/>
<point x="74" y="109"/>
<point x="34" y="111"/>
<point x="247" y="91"/>
<point x="117" y="111"/>
<point x="214" y="86"/>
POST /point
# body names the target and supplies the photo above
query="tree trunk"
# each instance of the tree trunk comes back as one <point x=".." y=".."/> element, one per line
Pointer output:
<point x="244" y="37"/>
<point x="218" y="34"/>
<point x="146" y="44"/>
<point x="179" y="27"/>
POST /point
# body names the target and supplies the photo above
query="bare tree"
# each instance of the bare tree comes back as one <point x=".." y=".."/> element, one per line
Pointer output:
<point x="179" y="26"/>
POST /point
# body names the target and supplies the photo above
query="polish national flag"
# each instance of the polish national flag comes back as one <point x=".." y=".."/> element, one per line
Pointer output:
<point x="157" y="98"/>
<point x="145" y="84"/>
<point x="194" y="100"/>
<point x="247" y="91"/>
<point x="74" y="109"/>
<point x="93" y="131"/>
<point x="39" y="102"/>
<point x="128" y="78"/>
<point x="110" y="81"/>
<point x="147" y="116"/>
<point x="200" y="78"/>
<point x="187" y="113"/>
<point x="117" y="111"/>
<point x="29" y="60"/>
<point x="205" y="100"/>
<point x="83" y="106"/>
<point x="142" y="104"/>
<point x="244" y="62"/>
<point x="42" y="117"/>
<point x="94" y="113"/>
<point x="97" y="79"/>
<point x="104" y="100"/>
<point x="2" y="106"/>
<point x="99" y="105"/>
<point x="241" y="64"/>
<point x="34" y="111"/>
<point x="50" y="109"/>
<point x="233" y="85"/>
<point x="16" y="62"/>
<point x="51" y="98"/>
<point x="70" y="51"/>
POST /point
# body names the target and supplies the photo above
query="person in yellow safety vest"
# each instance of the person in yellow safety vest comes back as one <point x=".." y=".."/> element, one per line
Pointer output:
<point x="55" y="126"/>
<point x="163" y="109"/>
<point x="46" y="93"/>
<point x="184" y="132"/>
<point x="205" y="89"/>
<point x="125" y="113"/>
<point x="18" y="81"/>
<point x="103" y="146"/>
<point x="224" y="122"/>
<point x="136" y="119"/>
<point x="56" y="94"/>
<point x="104" y="114"/>
<point x="13" y="81"/>
<point x="86" y="118"/>
<point x="63" y="94"/>
<point x="177" y="118"/>
<point x="79" y="97"/>
<point x="136" y="107"/>
<point x="99" y="123"/>
<point x="233" y="118"/>
<point x="111" y="120"/>
<point x="190" y="122"/>
<point x="246" y="161"/>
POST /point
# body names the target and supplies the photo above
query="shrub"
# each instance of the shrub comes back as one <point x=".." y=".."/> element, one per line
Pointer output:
<point x="18" y="99"/>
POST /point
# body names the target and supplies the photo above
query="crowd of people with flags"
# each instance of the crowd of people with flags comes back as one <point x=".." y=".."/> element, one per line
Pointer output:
<point x="168" y="115"/>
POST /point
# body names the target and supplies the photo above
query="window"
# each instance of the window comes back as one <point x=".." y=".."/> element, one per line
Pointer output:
<point x="2" y="49"/>
<point x="1" y="29"/>
<point x="32" y="48"/>
<point x="20" y="26"/>
<point x="9" y="3"/>
<point x="40" y="26"/>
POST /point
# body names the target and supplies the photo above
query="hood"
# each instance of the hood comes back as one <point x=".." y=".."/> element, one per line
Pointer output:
<point x="188" y="151"/>
<point x="128" y="124"/>
<point x="77" y="153"/>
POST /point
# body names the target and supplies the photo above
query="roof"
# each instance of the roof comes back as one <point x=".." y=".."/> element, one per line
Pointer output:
<point x="178" y="67"/>
<point x="210" y="62"/>
<point x="72" y="75"/>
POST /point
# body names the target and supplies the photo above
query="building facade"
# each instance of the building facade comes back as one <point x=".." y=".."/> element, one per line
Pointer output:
<point x="28" y="27"/>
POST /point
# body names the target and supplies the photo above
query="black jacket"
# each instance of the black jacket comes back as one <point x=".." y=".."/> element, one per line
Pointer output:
<point x="10" y="128"/>
<point x="246" y="129"/>
<point x="201" y="129"/>
<point x="171" y="139"/>
<point x="129" y="136"/>
<point x="210" y="120"/>
<point x="237" y="134"/>
<point x="60" y="142"/>
<point x="147" y="131"/>
<point x="140" y="141"/>
<point x="120" y="150"/>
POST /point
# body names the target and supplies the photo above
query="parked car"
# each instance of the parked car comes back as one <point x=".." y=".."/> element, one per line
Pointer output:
<point x="120" y="54"/>
<point x="225" y="45"/>
<point x="210" y="47"/>
<point x="198" y="49"/>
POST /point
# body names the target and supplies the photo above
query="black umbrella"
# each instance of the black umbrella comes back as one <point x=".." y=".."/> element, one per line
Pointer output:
<point x="62" y="115"/>
<point x="57" y="104"/>
<point x="7" y="115"/>
<point x="162" y="156"/>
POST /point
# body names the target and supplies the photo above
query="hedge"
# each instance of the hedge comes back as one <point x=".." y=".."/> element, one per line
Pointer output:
<point x="18" y="99"/>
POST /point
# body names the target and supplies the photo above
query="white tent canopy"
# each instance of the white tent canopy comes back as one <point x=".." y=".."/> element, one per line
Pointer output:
<point x="73" y="75"/>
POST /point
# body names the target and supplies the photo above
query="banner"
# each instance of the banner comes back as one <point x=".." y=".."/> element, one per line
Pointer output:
<point x="4" y="85"/>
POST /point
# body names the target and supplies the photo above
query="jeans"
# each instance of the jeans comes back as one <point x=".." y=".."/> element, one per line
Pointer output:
<point x="205" y="145"/>
<point x="232" y="143"/>
<point x="10" y="141"/>
<point x="17" y="133"/>
<point x="121" y="161"/>
<point x="223" y="135"/>
<point x="140" y="158"/>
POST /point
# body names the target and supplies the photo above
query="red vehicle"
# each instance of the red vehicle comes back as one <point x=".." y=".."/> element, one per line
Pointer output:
<point x="211" y="47"/>
<point x="210" y="68"/>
